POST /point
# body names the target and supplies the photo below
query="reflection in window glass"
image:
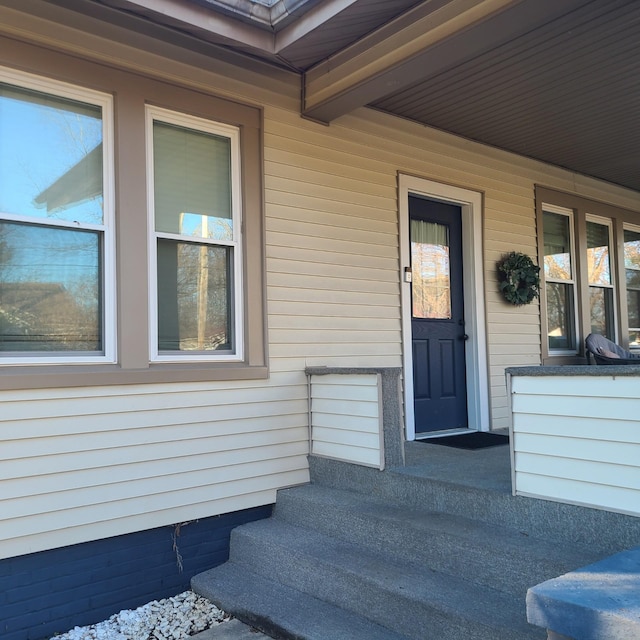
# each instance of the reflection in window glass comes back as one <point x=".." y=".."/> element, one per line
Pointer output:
<point x="193" y="296"/>
<point x="192" y="186"/>
<point x="557" y="247"/>
<point x="50" y="157"/>
<point x="431" y="281"/>
<point x="632" y="273"/>
<point x="600" y="282"/>
<point x="598" y="264"/>
<point x="51" y="225"/>
<point x="559" y="285"/>
<point x="560" y="318"/>
<point x="50" y="289"/>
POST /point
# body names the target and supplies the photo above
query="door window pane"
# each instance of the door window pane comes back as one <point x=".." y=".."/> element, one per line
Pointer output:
<point x="431" y="278"/>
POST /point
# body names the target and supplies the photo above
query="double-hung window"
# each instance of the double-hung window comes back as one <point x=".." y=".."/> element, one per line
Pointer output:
<point x="632" y="277"/>
<point x="559" y="275"/>
<point x="56" y="247"/>
<point x="195" y="220"/>
<point x="600" y="276"/>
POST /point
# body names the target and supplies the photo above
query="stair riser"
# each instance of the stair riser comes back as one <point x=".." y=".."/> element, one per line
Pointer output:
<point x="416" y="618"/>
<point x="601" y="531"/>
<point x="466" y="555"/>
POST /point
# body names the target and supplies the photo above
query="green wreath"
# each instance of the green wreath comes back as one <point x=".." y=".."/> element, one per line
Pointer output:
<point x="519" y="278"/>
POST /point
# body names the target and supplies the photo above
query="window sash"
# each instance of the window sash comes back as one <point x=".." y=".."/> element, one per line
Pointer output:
<point x="600" y="277"/>
<point x="214" y="227"/>
<point x="560" y="280"/>
<point x="92" y="170"/>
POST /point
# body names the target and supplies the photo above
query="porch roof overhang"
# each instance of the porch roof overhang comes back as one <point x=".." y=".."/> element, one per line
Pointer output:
<point x="554" y="80"/>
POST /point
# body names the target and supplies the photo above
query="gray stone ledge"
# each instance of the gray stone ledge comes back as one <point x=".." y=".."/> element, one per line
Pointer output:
<point x="576" y="370"/>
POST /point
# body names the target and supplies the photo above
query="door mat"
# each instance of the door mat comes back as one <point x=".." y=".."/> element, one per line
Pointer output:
<point x="475" y="440"/>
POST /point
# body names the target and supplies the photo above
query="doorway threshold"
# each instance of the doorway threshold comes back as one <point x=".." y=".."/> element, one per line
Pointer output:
<point x="444" y="432"/>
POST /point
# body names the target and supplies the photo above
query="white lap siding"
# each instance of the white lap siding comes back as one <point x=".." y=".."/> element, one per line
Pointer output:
<point x="577" y="440"/>
<point x="346" y="418"/>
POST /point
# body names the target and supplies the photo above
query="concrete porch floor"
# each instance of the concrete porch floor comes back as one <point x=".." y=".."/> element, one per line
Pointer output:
<point x="488" y="468"/>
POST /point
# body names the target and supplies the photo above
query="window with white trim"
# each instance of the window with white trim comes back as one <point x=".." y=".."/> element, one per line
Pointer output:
<point x="559" y="276"/>
<point x="57" y="275"/>
<point x="196" y="244"/>
<point x="600" y="277"/>
<point x="632" y="279"/>
<point x="587" y="285"/>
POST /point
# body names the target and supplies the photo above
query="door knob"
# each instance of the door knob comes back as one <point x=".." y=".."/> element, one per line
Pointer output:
<point x="464" y="336"/>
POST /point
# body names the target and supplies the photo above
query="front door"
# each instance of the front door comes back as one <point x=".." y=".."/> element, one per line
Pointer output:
<point x="437" y="322"/>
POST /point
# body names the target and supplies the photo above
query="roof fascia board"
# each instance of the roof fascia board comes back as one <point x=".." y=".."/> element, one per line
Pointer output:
<point x="311" y="20"/>
<point x="197" y="18"/>
<point x="420" y="44"/>
<point x="89" y="35"/>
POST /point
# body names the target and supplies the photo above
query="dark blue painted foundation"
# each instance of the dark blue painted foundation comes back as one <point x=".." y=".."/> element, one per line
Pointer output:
<point x="53" y="591"/>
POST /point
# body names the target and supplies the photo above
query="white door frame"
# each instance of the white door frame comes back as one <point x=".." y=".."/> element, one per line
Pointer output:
<point x="474" y="313"/>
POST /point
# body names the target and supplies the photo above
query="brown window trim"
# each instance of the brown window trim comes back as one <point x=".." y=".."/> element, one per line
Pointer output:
<point x="131" y="93"/>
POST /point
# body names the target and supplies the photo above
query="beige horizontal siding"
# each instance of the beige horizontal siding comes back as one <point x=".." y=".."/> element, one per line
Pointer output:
<point x="346" y="420"/>
<point x="82" y="464"/>
<point x="577" y="440"/>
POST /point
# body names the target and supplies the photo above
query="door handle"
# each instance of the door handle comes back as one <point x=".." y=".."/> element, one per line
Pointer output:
<point x="464" y="336"/>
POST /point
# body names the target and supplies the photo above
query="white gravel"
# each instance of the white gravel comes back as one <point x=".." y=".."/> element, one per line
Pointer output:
<point x="174" y="618"/>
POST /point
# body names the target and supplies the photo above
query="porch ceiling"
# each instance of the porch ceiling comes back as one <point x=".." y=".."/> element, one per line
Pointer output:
<point x="555" y="80"/>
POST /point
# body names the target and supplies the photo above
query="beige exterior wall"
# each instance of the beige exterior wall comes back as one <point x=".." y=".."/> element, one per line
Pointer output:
<point x="576" y="439"/>
<point x="82" y="463"/>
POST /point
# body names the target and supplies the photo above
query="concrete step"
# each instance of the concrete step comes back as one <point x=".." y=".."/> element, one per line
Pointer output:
<point x="498" y="557"/>
<point x="283" y="612"/>
<point x="419" y="602"/>
<point x="602" y="532"/>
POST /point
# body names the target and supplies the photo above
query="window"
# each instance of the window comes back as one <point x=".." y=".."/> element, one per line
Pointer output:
<point x="587" y="288"/>
<point x="601" y="291"/>
<point x="56" y="255"/>
<point x="632" y="278"/>
<point x="559" y="278"/>
<point x="131" y="248"/>
<point x="196" y="246"/>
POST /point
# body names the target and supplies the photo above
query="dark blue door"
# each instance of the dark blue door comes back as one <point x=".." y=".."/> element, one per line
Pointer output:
<point x="437" y="324"/>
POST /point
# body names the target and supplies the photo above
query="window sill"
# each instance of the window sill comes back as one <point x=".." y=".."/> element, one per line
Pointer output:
<point x="61" y="376"/>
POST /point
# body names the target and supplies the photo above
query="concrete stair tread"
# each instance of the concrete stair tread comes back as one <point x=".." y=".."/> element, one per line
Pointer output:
<point x="281" y="611"/>
<point x="600" y="531"/>
<point x="423" y="525"/>
<point x="329" y="568"/>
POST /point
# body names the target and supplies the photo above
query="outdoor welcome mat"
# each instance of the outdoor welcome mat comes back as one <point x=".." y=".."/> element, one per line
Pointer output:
<point x="475" y="440"/>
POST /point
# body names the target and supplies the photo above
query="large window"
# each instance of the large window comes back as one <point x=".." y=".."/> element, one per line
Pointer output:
<point x="131" y="236"/>
<point x="583" y="277"/>
<point x="56" y="273"/>
<point x="196" y="254"/>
